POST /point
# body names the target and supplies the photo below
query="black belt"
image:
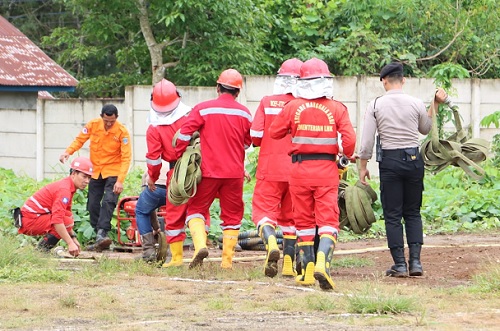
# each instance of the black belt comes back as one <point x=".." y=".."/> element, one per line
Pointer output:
<point x="305" y="157"/>
<point x="171" y="164"/>
<point x="401" y="153"/>
<point x="161" y="186"/>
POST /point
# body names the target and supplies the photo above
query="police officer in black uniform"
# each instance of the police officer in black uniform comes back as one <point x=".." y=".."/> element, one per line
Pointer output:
<point x="398" y="118"/>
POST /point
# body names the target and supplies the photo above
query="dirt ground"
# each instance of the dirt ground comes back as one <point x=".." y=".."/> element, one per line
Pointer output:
<point x="448" y="260"/>
<point x="209" y="301"/>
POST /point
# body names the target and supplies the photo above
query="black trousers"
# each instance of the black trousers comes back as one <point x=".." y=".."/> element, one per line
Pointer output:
<point x="401" y="187"/>
<point x="101" y="202"/>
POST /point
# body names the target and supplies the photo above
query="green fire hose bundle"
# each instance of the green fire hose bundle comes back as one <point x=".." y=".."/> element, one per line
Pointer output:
<point x="355" y="204"/>
<point x="187" y="172"/>
<point x="458" y="150"/>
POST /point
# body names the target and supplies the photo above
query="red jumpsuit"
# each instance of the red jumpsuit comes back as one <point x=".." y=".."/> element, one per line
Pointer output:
<point x="48" y="206"/>
<point x="271" y="201"/>
<point x="224" y="127"/>
<point x="159" y="143"/>
<point x="314" y="126"/>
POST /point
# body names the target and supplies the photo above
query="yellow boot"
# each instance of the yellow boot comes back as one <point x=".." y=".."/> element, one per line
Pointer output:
<point x="323" y="261"/>
<point x="177" y="250"/>
<point x="229" y="241"/>
<point x="268" y="235"/>
<point x="289" y="243"/>
<point x="197" y="228"/>
<point x="306" y="255"/>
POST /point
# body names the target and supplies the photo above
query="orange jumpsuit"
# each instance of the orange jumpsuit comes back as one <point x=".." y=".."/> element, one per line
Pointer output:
<point x="314" y="126"/>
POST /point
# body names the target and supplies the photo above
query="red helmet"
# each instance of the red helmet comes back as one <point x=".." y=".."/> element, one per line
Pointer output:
<point x="165" y="97"/>
<point x="231" y="78"/>
<point x="82" y="164"/>
<point x="290" y="67"/>
<point x="314" y="68"/>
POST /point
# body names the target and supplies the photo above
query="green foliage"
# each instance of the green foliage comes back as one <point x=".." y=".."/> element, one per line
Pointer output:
<point x="100" y="42"/>
<point x="443" y="74"/>
<point x="493" y="118"/>
<point x="453" y="202"/>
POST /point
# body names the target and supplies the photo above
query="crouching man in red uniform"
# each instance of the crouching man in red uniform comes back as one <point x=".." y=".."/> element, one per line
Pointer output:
<point x="224" y="127"/>
<point x="48" y="213"/>
<point x="271" y="201"/>
<point x="314" y="121"/>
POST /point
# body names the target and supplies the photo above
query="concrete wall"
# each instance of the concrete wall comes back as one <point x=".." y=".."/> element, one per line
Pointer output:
<point x="33" y="135"/>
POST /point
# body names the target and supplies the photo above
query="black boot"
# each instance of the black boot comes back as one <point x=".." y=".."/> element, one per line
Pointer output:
<point x="306" y="258"/>
<point x="102" y="241"/>
<point x="48" y="242"/>
<point x="414" y="262"/>
<point x="289" y="256"/>
<point x="324" y="257"/>
<point x="399" y="269"/>
<point x="268" y="235"/>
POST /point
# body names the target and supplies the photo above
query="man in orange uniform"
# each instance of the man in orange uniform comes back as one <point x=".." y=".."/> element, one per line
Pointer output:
<point x="224" y="127"/>
<point x="166" y="117"/>
<point x="314" y="121"/>
<point x="271" y="202"/>
<point x="110" y="153"/>
<point x="48" y="211"/>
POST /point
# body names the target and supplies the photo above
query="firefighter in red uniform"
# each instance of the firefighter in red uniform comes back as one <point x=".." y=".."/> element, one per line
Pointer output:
<point x="271" y="201"/>
<point x="314" y="121"/>
<point x="166" y="117"/>
<point x="48" y="213"/>
<point x="224" y="127"/>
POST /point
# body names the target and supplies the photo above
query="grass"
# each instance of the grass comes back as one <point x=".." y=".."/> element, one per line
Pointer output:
<point x="488" y="280"/>
<point x="110" y="294"/>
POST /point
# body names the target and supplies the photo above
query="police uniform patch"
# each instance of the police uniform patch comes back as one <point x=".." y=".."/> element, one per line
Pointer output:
<point x="85" y="130"/>
<point x="65" y="200"/>
<point x="125" y="141"/>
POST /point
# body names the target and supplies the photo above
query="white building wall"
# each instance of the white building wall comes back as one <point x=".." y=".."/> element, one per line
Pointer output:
<point x="32" y="137"/>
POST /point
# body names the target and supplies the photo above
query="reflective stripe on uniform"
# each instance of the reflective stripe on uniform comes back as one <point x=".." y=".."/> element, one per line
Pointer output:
<point x="231" y="227"/>
<point x="272" y="111"/>
<point x="190" y="217"/>
<point x="153" y="162"/>
<point x="306" y="232"/>
<point x="314" y="141"/>
<point x="226" y="111"/>
<point x="265" y="220"/>
<point x="327" y="230"/>
<point x="39" y="205"/>
<point x="256" y="134"/>
<point x="288" y="229"/>
<point x="184" y="137"/>
<point x="173" y="233"/>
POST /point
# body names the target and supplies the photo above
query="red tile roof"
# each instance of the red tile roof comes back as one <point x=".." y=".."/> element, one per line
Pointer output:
<point x="23" y="64"/>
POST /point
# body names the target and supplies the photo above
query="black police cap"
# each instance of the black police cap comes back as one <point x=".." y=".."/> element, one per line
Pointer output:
<point x="391" y="69"/>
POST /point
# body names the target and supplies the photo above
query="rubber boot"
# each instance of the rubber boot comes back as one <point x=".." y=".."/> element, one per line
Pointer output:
<point x="289" y="243"/>
<point x="148" y="247"/>
<point x="177" y="250"/>
<point x="268" y="235"/>
<point x="298" y="262"/>
<point x="199" y="236"/>
<point x="229" y="241"/>
<point x="306" y="256"/>
<point x="48" y="242"/>
<point x="415" y="265"/>
<point x="323" y="261"/>
<point x="102" y="241"/>
<point x="399" y="269"/>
